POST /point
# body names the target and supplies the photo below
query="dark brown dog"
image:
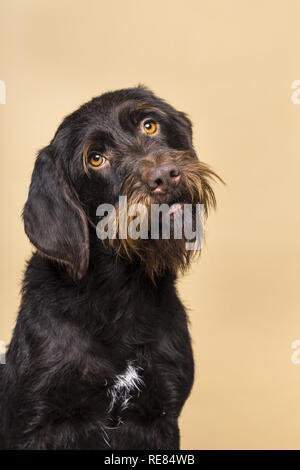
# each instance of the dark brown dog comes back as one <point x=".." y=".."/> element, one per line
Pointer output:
<point x="101" y="356"/>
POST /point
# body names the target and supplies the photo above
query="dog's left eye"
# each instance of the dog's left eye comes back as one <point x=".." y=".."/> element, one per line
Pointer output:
<point x="150" y="126"/>
<point x="95" y="159"/>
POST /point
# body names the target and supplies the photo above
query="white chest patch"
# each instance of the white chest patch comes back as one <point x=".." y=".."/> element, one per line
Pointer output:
<point x="124" y="386"/>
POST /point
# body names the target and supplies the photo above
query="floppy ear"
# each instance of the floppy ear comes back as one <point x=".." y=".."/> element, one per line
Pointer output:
<point x="185" y="120"/>
<point x="186" y="123"/>
<point x="54" y="221"/>
<point x="182" y="133"/>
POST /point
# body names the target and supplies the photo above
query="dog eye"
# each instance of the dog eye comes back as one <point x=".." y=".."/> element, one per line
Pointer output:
<point x="150" y="127"/>
<point x="95" y="159"/>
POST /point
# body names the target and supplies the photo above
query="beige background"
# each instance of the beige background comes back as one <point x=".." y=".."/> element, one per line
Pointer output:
<point x="230" y="65"/>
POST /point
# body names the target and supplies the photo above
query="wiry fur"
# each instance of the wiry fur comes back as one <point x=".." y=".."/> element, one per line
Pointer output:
<point x="100" y="355"/>
<point x="160" y="256"/>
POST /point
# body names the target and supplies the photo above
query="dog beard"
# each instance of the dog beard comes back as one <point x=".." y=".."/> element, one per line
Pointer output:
<point x="158" y="256"/>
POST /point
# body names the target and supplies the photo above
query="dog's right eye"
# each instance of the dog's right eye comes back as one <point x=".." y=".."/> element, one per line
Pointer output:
<point x="96" y="159"/>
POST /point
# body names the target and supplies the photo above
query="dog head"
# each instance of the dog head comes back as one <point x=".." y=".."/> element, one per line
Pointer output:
<point x="127" y="142"/>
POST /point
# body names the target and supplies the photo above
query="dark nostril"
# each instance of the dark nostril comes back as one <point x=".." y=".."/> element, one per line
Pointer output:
<point x="174" y="173"/>
<point x="158" y="182"/>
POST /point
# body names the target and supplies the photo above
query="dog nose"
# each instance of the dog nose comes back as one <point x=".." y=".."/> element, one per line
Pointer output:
<point x="164" y="177"/>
